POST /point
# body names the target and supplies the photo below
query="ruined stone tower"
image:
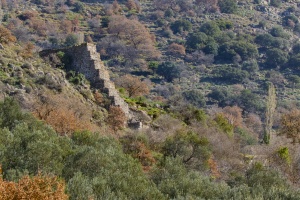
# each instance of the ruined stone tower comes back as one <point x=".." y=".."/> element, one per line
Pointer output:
<point x="85" y="59"/>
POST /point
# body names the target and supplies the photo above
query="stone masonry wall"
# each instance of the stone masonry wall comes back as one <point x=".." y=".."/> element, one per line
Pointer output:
<point x="85" y="59"/>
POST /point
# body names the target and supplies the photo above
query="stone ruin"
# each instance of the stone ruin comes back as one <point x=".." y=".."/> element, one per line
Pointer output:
<point x="86" y="60"/>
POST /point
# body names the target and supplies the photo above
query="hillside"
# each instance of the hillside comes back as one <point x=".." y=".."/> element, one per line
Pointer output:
<point x="161" y="99"/>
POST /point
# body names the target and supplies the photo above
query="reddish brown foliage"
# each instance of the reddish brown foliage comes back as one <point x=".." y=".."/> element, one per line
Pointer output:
<point x="133" y="85"/>
<point x="6" y="36"/>
<point x="143" y="154"/>
<point x="39" y="26"/>
<point x="98" y="98"/>
<point x="63" y="119"/>
<point x="253" y="122"/>
<point x="116" y="8"/>
<point x="134" y="34"/>
<point x="66" y="26"/>
<point x="116" y="118"/>
<point x="233" y="115"/>
<point x="132" y="5"/>
<point x="290" y="125"/>
<point x="177" y="49"/>
<point x="35" y="188"/>
<point x="27" y="51"/>
<point x="213" y="168"/>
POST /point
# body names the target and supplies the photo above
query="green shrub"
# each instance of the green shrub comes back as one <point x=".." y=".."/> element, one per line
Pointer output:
<point x="224" y="124"/>
<point x="278" y="31"/>
<point x="181" y="25"/>
<point x="169" y="70"/>
<point x="276" y="58"/>
<point x="11" y="114"/>
<point x="249" y="101"/>
<point x="224" y="24"/>
<point x="71" y="40"/>
<point x="275" y="3"/>
<point x="228" y="6"/>
<point x="196" y="40"/>
<point x="246" y="50"/>
<point x="176" y="182"/>
<point x="283" y="153"/>
<point x="246" y="138"/>
<point x="109" y="170"/>
<point x="194" y="97"/>
<point x="230" y="74"/>
<point x="210" y="28"/>
<point x="75" y="78"/>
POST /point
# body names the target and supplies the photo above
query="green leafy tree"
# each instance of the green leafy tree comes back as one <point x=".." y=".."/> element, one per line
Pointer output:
<point x="80" y="187"/>
<point x="211" y="47"/>
<point x="210" y="28"/>
<point x="275" y="3"/>
<point x="38" y="149"/>
<point x="290" y="18"/>
<point x="259" y="176"/>
<point x="249" y="101"/>
<point x="196" y="40"/>
<point x="192" y="149"/>
<point x="194" y="97"/>
<point x="224" y="24"/>
<point x="79" y="7"/>
<point x="224" y="124"/>
<point x="176" y="182"/>
<point x="221" y="95"/>
<point x="294" y="61"/>
<point x="228" y="6"/>
<point x="264" y="39"/>
<point x="169" y="71"/>
<point x="10" y="113"/>
<point x="276" y="57"/>
<point x="181" y="25"/>
<point x="71" y="40"/>
<point x="278" y="31"/>
<point x="250" y="66"/>
<point x="296" y="48"/>
<point x="246" y="50"/>
<point x="294" y="80"/>
<point x="103" y="170"/>
<point x="230" y="74"/>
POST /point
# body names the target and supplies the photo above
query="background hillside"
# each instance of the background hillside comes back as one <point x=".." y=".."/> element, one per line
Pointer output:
<point x="217" y="82"/>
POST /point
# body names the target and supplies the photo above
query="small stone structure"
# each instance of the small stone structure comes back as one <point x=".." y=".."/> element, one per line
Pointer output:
<point x="85" y="60"/>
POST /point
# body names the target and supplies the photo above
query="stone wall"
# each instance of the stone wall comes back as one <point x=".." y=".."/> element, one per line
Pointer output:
<point x="85" y="59"/>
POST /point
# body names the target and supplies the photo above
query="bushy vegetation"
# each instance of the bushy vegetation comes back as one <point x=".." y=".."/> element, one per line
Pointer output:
<point x="95" y="166"/>
<point x="197" y="74"/>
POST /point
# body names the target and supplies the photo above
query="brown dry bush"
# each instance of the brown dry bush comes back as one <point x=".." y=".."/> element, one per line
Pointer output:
<point x="34" y="188"/>
<point x="116" y="118"/>
<point x="134" y="34"/>
<point x="234" y="115"/>
<point x="290" y="125"/>
<point x="226" y="150"/>
<point x="133" y="85"/>
<point x="6" y="36"/>
<point x="64" y="116"/>
<point x="162" y="128"/>
<point x="176" y="49"/>
<point x="27" y="51"/>
<point x="39" y="26"/>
